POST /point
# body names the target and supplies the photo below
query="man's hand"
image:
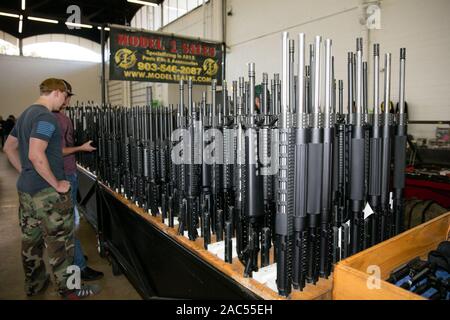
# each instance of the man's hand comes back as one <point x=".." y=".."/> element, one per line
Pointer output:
<point x="87" y="147"/>
<point x="63" y="186"/>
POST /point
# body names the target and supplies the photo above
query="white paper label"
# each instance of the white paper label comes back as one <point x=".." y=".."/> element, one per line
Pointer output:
<point x="367" y="211"/>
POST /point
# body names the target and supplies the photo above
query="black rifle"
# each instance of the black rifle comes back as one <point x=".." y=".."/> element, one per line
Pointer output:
<point x="267" y="162"/>
<point x="386" y="153"/>
<point x="102" y="136"/>
<point x="193" y="169"/>
<point x="302" y="136"/>
<point x="368" y="221"/>
<point x="315" y="167"/>
<point x="239" y="175"/>
<point x="400" y="151"/>
<point x="117" y="152"/>
<point x="207" y="207"/>
<point x="375" y="153"/>
<point x="146" y="145"/>
<point x="284" y="216"/>
<point x="340" y="193"/>
<point x="274" y="113"/>
<point x="217" y="164"/>
<point x="182" y="167"/>
<point x="172" y="207"/>
<point x="254" y="209"/>
<point x="164" y="161"/>
<point x="328" y="146"/>
<point x="126" y="170"/>
<point x="357" y="161"/>
<point x="139" y="158"/>
<point x="229" y="160"/>
<point x="133" y="156"/>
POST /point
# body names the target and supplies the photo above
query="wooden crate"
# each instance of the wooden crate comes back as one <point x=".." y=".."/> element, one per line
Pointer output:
<point x="351" y="275"/>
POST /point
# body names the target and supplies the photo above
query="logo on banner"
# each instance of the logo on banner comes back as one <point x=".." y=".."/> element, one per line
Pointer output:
<point x="210" y="66"/>
<point x="125" y="58"/>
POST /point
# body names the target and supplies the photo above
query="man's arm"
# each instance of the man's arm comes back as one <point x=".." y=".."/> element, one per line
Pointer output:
<point x="11" y="149"/>
<point x="86" y="147"/>
<point x="40" y="163"/>
<point x="70" y="150"/>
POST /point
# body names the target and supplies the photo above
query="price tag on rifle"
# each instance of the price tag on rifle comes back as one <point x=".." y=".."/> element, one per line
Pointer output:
<point x="266" y="274"/>
<point x="367" y="211"/>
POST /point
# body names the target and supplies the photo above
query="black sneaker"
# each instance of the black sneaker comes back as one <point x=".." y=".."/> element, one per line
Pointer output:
<point x="84" y="292"/>
<point x="88" y="274"/>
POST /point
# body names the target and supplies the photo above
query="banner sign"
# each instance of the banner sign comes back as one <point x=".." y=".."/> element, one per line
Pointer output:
<point x="155" y="57"/>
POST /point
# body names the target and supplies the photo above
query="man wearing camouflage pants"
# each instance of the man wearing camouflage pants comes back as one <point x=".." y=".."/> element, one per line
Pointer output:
<point x="45" y="206"/>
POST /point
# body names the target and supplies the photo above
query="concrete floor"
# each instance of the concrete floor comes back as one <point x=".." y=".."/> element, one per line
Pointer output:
<point x="11" y="271"/>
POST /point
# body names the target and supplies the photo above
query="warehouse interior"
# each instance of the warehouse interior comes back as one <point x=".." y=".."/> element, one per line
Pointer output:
<point x="137" y="252"/>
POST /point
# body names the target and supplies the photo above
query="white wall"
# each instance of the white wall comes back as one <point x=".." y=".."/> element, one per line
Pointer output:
<point x="21" y="76"/>
<point x="423" y="27"/>
<point x="254" y="31"/>
<point x="65" y="38"/>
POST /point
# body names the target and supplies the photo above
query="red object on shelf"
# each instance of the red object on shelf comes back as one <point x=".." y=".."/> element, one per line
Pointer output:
<point x="428" y="190"/>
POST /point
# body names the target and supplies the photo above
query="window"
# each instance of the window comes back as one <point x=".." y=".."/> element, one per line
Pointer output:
<point x="182" y="7"/>
<point x="60" y="50"/>
<point x="178" y="8"/>
<point x="156" y="18"/>
<point x="173" y="9"/>
<point x="144" y="18"/>
<point x="150" y="17"/>
<point x="165" y="13"/>
<point x="192" y="4"/>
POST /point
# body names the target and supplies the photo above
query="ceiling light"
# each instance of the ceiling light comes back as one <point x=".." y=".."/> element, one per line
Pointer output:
<point x="23" y="4"/>
<point x="21" y="24"/>
<point x="9" y="15"/>
<point x="73" y="24"/>
<point x="43" y="20"/>
<point x="145" y="3"/>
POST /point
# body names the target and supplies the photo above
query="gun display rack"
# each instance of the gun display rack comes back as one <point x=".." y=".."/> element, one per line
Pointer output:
<point x="289" y="183"/>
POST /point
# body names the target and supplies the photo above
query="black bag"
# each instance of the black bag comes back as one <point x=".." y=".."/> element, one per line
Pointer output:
<point x="441" y="256"/>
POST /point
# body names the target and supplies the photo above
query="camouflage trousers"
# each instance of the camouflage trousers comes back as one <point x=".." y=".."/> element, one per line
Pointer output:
<point x="46" y="218"/>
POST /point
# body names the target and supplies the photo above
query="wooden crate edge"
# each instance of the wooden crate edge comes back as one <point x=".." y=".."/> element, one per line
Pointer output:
<point x="390" y="291"/>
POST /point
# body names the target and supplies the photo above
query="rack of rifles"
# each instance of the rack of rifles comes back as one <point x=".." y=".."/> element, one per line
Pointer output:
<point x="293" y="176"/>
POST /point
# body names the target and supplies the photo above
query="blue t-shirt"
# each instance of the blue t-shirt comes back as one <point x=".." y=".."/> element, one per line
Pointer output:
<point x="38" y="122"/>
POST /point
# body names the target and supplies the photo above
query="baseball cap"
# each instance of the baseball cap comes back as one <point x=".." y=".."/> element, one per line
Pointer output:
<point x="68" y="88"/>
<point x="52" y="84"/>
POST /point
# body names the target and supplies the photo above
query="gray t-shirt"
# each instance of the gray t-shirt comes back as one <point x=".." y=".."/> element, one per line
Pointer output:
<point x="38" y="122"/>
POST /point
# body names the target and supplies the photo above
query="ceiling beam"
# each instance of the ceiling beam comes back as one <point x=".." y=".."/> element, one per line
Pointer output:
<point x="37" y="5"/>
<point x="96" y="13"/>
